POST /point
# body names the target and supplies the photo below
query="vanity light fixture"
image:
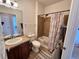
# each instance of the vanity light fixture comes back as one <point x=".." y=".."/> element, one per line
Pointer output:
<point x="14" y="4"/>
<point x="1" y="1"/>
<point x="9" y="4"/>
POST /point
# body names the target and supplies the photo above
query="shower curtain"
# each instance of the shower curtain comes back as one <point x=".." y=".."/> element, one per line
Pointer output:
<point x="55" y="25"/>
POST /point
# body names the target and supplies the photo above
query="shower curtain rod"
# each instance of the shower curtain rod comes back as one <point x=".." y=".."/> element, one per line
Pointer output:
<point x="56" y="12"/>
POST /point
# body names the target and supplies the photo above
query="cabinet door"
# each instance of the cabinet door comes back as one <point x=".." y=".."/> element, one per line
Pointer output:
<point x="13" y="53"/>
<point x="20" y="52"/>
<point x="25" y="50"/>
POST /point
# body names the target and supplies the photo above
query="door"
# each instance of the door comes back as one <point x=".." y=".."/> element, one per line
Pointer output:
<point x="72" y="32"/>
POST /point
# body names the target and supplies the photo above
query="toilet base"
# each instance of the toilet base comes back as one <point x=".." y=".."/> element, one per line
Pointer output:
<point x="36" y="50"/>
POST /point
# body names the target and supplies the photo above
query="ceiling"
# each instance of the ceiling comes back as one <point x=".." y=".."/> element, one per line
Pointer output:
<point x="45" y="2"/>
<point x="49" y="2"/>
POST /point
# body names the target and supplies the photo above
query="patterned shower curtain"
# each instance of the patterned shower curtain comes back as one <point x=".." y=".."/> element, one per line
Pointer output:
<point x="55" y="25"/>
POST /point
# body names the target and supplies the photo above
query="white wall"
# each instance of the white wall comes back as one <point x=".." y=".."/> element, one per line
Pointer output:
<point x="62" y="5"/>
<point x="28" y="8"/>
<point x="41" y="8"/>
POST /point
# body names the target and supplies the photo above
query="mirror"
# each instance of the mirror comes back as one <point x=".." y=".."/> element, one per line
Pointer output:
<point x="12" y="22"/>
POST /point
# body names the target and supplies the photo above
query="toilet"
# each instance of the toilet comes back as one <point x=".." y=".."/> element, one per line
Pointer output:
<point x="42" y="41"/>
<point x="36" y="44"/>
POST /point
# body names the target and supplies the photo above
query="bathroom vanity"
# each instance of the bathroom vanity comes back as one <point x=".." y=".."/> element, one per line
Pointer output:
<point x="20" y="50"/>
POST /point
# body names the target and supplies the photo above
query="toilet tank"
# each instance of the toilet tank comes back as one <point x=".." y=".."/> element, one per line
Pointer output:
<point x="43" y="39"/>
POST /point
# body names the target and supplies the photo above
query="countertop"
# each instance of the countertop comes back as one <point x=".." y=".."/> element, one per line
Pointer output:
<point x="24" y="39"/>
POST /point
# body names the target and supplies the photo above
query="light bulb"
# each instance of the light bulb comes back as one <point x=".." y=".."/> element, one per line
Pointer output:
<point x="8" y="1"/>
<point x="1" y="1"/>
<point x="15" y="4"/>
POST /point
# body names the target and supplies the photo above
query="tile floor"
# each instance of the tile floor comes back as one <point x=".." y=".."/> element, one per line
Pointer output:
<point x="33" y="54"/>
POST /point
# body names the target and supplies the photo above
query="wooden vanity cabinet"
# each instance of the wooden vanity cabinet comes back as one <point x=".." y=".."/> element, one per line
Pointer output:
<point x="20" y="52"/>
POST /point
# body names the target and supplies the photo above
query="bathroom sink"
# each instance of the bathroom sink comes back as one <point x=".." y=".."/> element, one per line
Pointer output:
<point x="13" y="41"/>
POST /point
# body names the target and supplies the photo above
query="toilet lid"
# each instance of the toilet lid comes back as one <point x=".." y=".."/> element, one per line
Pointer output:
<point x="36" y="43"/>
